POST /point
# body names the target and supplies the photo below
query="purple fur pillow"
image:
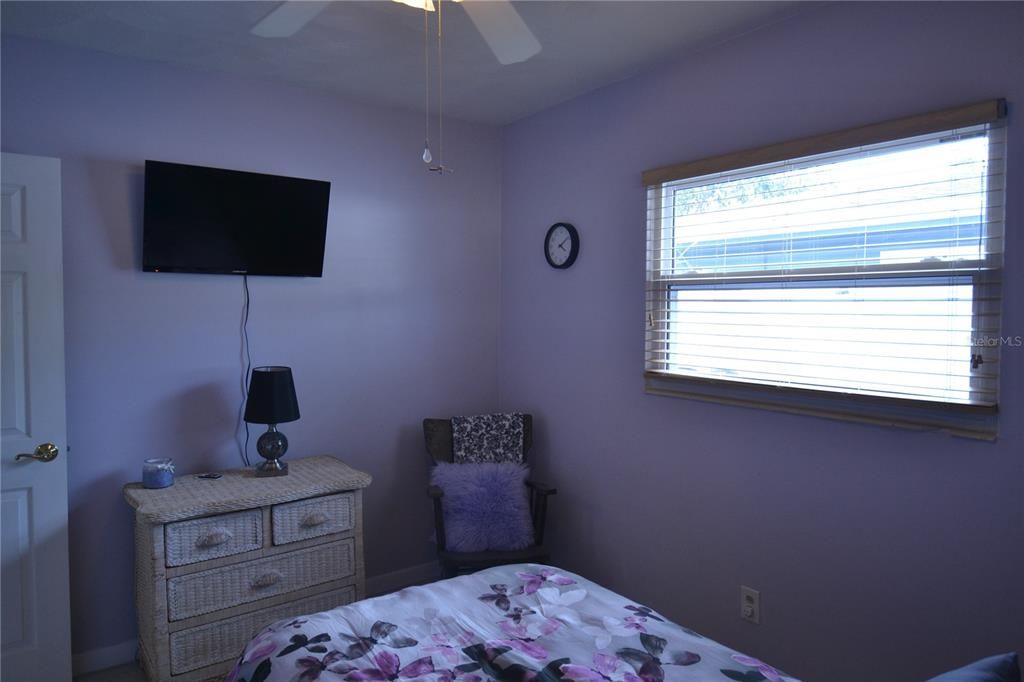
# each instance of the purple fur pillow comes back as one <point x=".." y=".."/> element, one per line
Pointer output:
<point x="485" y="506"/>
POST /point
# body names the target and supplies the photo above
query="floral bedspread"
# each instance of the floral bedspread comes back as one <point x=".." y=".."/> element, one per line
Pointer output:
<point x="515" y="623"/>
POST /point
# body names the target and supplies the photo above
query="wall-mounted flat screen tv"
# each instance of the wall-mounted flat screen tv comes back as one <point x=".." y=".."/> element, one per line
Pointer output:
<point x="212" y="220"/>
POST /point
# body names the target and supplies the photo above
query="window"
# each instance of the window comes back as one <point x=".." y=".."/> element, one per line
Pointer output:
<point x="856" y="273"/>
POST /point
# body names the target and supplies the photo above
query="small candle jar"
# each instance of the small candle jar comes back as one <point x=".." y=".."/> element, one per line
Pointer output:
<point x="158" y="473"/>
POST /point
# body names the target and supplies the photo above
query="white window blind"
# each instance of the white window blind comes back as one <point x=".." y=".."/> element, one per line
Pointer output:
<point x="865" y="271"/>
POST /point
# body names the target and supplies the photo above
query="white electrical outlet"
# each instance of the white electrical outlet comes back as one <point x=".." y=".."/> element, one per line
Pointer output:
<point x="750" y="605"/>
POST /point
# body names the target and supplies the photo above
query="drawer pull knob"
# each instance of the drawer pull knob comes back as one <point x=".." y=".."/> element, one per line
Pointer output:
<point x="217" y="536"/>
<point x="314" y="519"/>
<point x="266" y="580"/>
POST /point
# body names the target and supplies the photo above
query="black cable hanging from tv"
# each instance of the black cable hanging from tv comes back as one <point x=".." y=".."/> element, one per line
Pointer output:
<point x="244" y="451"/>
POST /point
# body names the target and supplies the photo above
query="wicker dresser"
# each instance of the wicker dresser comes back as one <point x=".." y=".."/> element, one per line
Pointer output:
<point x="216" y="560"/>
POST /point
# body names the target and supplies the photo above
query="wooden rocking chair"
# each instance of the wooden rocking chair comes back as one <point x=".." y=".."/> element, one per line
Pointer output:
<point x="438" y="436"/>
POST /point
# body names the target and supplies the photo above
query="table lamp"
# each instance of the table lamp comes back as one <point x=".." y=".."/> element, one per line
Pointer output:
<point x="271" y="401"/>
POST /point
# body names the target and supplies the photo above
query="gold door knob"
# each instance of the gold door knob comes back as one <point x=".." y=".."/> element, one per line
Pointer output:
<point x="47" y="452"/>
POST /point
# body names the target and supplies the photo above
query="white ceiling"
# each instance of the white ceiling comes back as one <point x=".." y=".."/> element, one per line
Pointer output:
<point x="374" y="50"/>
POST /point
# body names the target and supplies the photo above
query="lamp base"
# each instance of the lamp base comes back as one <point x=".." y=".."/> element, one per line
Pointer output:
<point x="272" y="467"/>
<point x="272" y="445"/>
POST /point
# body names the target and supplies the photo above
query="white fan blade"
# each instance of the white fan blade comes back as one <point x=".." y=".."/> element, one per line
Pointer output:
<point x="288" y="18"/>
<point x="503" y="30"/>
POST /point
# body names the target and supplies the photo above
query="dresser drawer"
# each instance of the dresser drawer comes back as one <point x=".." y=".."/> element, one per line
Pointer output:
<point x="312" y="518"/>
<point x="188" y="542"/>
<point x="219" y="588"/>
<point x="223" y="641"/>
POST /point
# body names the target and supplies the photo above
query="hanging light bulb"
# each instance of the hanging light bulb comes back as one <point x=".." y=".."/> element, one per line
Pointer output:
<point x="427" y="156"/>
<point x="425" y="5"/>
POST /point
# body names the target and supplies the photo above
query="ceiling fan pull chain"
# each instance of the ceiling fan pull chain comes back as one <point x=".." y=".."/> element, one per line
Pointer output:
<point x="427" y="156"/>
<point x="440" y="93"/>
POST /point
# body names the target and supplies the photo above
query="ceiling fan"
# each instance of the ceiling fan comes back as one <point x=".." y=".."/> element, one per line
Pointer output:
<point x="498" y="22"/>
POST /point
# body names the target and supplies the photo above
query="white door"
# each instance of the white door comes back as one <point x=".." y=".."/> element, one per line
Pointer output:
<point x="36" y="632"/>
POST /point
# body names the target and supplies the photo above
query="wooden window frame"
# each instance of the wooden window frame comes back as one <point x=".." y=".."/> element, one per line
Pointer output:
<point x="972" y="421"/>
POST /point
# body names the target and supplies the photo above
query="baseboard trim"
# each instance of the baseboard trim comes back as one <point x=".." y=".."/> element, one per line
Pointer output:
<point x="101" y="659"/>
<point x="119" y="654"/>
<point x="413" y="575"/>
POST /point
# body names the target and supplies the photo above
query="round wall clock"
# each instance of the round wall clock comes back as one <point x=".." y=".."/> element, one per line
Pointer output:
<point x="561" y="245"/>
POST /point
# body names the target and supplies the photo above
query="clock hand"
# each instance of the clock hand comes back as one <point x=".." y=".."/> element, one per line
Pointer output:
<point x="561" y="247"/>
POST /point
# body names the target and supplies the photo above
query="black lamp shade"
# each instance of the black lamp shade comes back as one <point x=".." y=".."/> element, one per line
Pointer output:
<point x="271" y="396"/>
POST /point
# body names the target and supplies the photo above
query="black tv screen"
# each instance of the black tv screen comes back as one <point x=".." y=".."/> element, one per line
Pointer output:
<point x="212" y="220"/>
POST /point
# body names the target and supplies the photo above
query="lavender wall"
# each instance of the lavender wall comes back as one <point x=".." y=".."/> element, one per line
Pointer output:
<point x="403" y="324"/>
<point x="881" y="554"/>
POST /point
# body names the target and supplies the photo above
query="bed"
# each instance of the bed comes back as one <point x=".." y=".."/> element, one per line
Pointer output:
<point x="518" y="622"/>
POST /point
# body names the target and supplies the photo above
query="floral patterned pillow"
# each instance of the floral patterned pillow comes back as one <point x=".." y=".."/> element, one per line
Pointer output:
<point x="488" y="438"/>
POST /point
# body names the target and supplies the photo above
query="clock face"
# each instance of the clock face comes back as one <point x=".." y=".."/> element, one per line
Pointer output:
<point x="561" y="245"/>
